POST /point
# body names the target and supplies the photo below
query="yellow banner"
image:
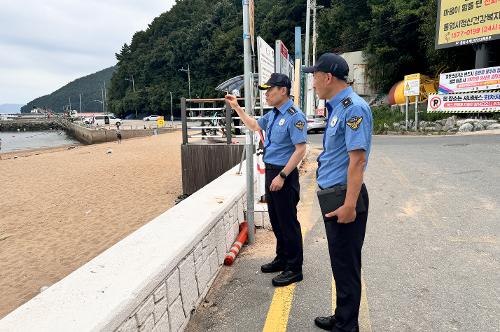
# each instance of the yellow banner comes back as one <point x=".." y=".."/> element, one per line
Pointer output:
<point x="463" y="22"/>
<point x="160" y="122"/>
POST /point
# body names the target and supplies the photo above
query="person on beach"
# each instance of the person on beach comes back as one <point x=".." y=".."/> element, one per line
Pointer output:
<point x="284" y="147"/>
<point x="118" y="133"/>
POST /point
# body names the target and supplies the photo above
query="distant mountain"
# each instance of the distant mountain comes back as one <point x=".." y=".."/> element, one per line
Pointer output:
<point x="10" y="108"/>
<point x="88" y="86"/>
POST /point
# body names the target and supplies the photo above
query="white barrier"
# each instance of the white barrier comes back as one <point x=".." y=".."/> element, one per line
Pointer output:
<point x="153" y="279"/>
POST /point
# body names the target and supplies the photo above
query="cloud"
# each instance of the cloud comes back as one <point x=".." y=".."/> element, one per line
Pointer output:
<point x="46" y="44"/>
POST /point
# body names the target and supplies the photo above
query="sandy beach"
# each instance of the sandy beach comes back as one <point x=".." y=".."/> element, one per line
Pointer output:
<point x="60" y="208"/>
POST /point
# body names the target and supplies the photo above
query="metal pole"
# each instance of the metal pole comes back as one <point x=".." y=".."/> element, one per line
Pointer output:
<point x="306" y="58"/>
<point x="416" y="113"/>
<point x="105" y="97"/>
<point x="133" y="83"/>
<point x="189" y="81"/>
<point x="407" y="101"/>
<point x="171" y="110"/>
<point x="314" y="32"/>
<point x="184" y="121"/>
<point x="247" y="58"/>
<point x="228" y="124"/>
<point x="70" y="108"/>
<point x="80" y="103"/>
<point x="102" y="96"/>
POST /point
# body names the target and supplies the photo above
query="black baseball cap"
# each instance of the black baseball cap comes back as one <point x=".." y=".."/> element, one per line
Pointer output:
<point x="330" y="63"/>
<point x="276" y="79"/>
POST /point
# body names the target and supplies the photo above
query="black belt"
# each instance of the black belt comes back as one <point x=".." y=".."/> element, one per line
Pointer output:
<point x="339" y="186"/>
<point x="276" y="167"/>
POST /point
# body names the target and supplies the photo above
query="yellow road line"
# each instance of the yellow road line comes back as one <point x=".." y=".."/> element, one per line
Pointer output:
<point x="277" y="317"/>
<point x="281" y="304"/>
<point x="364" y="312"/>
<point x="334" y="296"/>
<point x="279" y="310"/>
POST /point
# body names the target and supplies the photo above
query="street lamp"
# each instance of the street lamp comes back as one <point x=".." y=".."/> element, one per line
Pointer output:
<point x="188" y="71"/>
<point x="131" y="79"/>
<point x="100" y="101"/>
<point x="171" y="110"/>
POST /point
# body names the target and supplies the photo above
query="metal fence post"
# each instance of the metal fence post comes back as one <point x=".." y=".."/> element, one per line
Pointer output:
<point x="184" y="121"/>
<point x="228" y="123"/>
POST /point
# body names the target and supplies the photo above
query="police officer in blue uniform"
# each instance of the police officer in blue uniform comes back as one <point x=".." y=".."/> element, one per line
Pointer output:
<point x="284" y="148"/>
<point x="347" y="144"/>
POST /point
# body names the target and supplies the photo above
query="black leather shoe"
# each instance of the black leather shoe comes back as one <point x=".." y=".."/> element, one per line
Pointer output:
<point x="286" y="278"/>
<point x="275" y="266"/>
<point x="325" y="323"/>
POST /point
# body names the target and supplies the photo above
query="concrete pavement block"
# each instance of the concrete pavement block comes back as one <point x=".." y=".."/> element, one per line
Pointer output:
<point x="203" y="276"/>
<point x="130" y="325"/>
<point x="176" y="315"/>
<point x="214" y="263"/>
<point x="148" y="325"/>
<point x="189" y="289"/>
<point x="160" y="309"/>
<point x="160" y="292"/>
<point x="198" y="265"/>
<point x="198" y="251"/>
<point x="163" y="324"/>
<point x="229" y="239"/>
<point x="173" y="286"/>
<point x="145" y="310"/>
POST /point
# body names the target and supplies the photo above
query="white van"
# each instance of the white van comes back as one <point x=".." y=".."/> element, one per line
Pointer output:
<point x="109" y="119"/>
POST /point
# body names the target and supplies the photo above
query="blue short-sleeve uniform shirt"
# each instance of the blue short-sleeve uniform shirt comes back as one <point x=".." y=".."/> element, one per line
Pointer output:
<point x="285" y="127"/>
<point x="349" y="128"/>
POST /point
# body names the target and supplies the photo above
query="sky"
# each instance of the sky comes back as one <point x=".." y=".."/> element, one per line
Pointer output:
<point x="45" y="44"/>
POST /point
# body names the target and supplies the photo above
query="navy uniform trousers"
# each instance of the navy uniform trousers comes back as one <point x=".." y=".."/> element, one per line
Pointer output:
<point x="282" y="207"/>
<point x="344" y="245"/>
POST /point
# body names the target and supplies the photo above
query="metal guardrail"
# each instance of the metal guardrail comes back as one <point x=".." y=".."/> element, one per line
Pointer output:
<point x="213" y="123"/>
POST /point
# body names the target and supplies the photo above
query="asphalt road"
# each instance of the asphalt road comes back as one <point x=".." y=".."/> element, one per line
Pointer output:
<point x="431" y="260"/>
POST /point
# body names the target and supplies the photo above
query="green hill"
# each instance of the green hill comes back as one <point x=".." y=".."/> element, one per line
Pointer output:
<point x="396" y="35"/>
<point x="88" y="86"/>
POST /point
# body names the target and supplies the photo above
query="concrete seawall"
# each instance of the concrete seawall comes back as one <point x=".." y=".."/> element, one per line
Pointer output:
<point x="93" y="136"/>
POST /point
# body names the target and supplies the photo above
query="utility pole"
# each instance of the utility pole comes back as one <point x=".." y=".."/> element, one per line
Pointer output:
<point x="105" y="98"/>
<point x="80" y="103"/>
<point x="102" y="96"/>
<point x="247" y="60"/>
<point x="70" y="108"/>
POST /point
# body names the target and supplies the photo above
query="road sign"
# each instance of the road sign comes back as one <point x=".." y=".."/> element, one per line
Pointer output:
<point x="412" y="85"/>
<point x="265" y="60"/>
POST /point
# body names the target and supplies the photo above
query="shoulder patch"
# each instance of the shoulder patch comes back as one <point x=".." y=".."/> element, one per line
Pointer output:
<point x="346" y="102"/>
<point x="292" y="110"/>
<point x="300" y="125"/>
<point x="354" y="122"/>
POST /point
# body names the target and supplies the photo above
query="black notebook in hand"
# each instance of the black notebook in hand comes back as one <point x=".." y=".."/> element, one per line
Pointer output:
<point x="333" y="198"/>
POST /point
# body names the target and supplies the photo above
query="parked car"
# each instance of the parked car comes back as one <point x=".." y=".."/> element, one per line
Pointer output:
<point x="316" y="123"/>
<point x="151" y="118"/>
<point x="100" y="120"/>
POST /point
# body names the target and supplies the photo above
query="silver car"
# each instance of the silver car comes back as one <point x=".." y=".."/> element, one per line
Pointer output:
<point x="316" y="123"/>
